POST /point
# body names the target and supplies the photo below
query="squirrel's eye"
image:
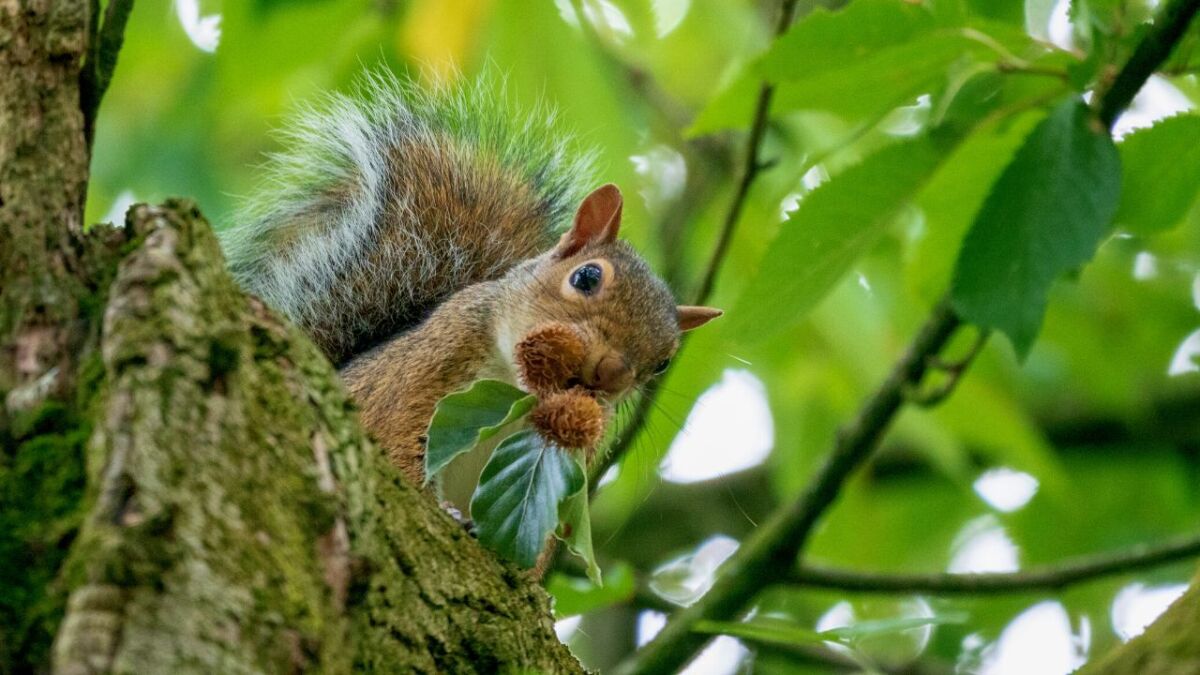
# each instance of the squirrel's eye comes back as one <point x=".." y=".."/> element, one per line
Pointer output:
<point x="587" y="278"/>
<point x="662" y="367"/>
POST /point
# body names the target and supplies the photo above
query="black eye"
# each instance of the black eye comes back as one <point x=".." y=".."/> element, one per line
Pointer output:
<point x="662" y="367"/>
<point x="586" y="279"/>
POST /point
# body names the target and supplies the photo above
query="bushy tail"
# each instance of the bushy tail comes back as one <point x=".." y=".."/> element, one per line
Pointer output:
<point x="388" y="200"/>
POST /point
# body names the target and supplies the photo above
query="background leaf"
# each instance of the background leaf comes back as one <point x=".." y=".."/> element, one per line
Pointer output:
<point x="516" y="504"/>
<point x="833" y="226"/>
<point x="1044" y="217"/>
<point x="1156" y="194"/>
<point x="466" y="418"/>
<point x="574" y="595"/>
<point x="575" y="530"/>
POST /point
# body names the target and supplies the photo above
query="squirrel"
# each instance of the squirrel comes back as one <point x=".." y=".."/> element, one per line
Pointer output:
<point x="418" y="236"/>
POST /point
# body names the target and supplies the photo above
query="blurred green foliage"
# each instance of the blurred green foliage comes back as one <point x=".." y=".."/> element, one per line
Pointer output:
<point x="909" y="113"/>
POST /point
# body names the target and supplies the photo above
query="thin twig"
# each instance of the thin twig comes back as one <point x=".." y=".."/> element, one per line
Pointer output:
<point x="954" y="371"/>
<point x="1049" y="577"/>
<point x="1043" y="578"/>
<point x="750" y="169"/>
<point x="97" y="72"/>
<point x="770" y="553"/>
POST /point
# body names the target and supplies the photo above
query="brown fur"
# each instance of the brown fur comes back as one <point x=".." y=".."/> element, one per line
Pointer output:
<point x="397" y="385"/>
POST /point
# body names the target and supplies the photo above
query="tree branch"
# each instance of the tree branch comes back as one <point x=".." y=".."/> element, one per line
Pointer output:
<point x="1051" y="577"/>
<point x="102" y="61"/>
<point x="1150" y="53"/>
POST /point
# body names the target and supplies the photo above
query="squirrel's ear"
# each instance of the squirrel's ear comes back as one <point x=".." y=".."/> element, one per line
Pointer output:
<point x="597" y="221"/>
<point x="691" y="316"/>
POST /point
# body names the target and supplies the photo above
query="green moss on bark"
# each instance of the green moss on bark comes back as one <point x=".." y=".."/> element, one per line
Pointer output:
<point x="42" y="483"/>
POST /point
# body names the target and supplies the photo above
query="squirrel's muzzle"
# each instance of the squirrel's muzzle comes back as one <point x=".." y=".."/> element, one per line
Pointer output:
<point x="610" y="374"/>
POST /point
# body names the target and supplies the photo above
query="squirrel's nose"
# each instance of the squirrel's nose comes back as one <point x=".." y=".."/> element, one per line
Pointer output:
<point x="610" y="375"/>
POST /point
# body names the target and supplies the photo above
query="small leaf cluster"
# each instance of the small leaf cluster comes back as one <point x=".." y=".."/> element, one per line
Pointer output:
<point x="529" y="487"/>
<point x="1016" y="179"/>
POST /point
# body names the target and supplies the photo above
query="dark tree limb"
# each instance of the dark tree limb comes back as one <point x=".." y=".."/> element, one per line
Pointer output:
<point x="101" y="62"/>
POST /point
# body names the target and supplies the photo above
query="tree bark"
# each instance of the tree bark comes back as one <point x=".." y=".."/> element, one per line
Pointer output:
<point x="1169" y="646"/>
<point x="184" y="485"/>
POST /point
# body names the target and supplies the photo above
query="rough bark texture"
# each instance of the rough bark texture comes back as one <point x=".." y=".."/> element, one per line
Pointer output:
<point x="242" y="521"/>
<point x="1171" y="645"/>
<point x="49" y="281"/>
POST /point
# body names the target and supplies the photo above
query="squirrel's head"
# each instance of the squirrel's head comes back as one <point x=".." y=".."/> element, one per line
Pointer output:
<point x="600" y="287"/>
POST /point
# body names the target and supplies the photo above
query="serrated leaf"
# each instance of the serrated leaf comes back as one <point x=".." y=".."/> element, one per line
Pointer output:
<point x="575" y="530"/>
<point x="834" y="224"/>
<point x="516" y="504"/>
<point x="954" y="196"/>
<point x="826" y="40"/>
<point x="1045" y="216"/>
<point x="1160" y="175"/>
<point x="821" y="43"/>
<point x="574" y="595"/>
<point x="466" y="418"/>
<point x="869" y="86"/>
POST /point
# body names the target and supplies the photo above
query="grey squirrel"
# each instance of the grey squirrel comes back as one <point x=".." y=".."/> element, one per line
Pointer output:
<point x="418" y="237"/>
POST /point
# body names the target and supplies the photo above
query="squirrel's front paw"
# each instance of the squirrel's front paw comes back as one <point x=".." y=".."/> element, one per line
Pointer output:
<point x="549" y="357"/>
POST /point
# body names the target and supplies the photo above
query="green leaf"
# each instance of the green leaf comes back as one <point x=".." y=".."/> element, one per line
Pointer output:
<point x="575" y="529"/>
<point x="952" y="199"/>
<point x="574" y="595"/>
<point x="1045" y="216"/>
<point x="516" y="504"/>
<point x="867" y="87"/>
<point x="1161" y="175"/>
<point x="764" y="630"/>
<point x="821" y="46"/>
<point x="465" y="418"/>
<point x="834" y="224"/>
<point x="826" y="40"/>
<point x="875" y="627"/>
<point x="788" y="633"/>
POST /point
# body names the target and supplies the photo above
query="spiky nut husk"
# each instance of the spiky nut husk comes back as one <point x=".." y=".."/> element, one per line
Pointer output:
<point x="549" y="356"/>
<point x="569" y="419"/>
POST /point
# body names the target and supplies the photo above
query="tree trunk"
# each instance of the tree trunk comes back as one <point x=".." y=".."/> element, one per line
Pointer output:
<point x="1169" y="646"/>
<point x="184" y="485"/>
